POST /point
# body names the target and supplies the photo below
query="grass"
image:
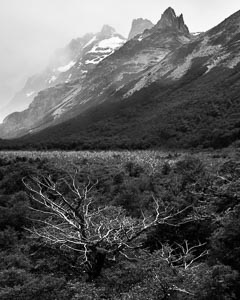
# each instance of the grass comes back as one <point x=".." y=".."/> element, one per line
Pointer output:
<point x="149" y="160"/>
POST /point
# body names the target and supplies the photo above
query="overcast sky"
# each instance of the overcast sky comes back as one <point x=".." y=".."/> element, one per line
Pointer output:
<point x="30" y="30"/>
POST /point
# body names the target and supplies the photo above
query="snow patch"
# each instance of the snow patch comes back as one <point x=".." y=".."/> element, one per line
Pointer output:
<point x="52" y="79"/>
<point x="90" y="42"/>
<point x="96" y="61"/>
<point x="30" y="94"/>
<point x="140" y="38"/>
<point x="66" y="67"/>
<point x="196" y="33"/>
<point x="69" y="77"/>
<point x="108" y="45"/>
<point x="113" y="42"/>
<point x="97" y="49"/>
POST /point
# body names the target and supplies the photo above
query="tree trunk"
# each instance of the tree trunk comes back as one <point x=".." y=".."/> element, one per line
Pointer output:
<point x="96" y="262"/>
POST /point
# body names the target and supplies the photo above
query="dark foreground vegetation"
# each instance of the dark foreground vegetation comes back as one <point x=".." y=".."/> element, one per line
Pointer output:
<point x="120" y="228"/>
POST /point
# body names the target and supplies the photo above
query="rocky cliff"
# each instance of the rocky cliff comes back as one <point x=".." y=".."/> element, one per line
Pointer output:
<point x="139" y="26"/>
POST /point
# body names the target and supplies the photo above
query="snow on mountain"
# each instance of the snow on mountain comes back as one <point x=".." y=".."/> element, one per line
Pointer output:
<point x="52" y="79"/>
<point x="94" y="61"/>
<point x="113" y="42"/>
<point x="66" y="67"/>
<point x="90" y="42"/>
<point x="107" y="45"/>
<point x="30" y="94"/>
<point x="196" y="33"/>
<point x="102" y="44"/>
<point x="103" y="49"/>
<point x="60" y="62"/>
<point x="69" y="63"/>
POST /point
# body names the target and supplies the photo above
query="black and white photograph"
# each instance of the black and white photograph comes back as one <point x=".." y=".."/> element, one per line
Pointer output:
<point x="119" y="150"/>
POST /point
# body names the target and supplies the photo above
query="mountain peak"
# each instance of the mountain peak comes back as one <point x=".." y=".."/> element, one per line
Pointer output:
<point x="139" y="26"/>
<point x="169" y="12"/>
<point x="170" y="20"/>
<point x="107" y="30"/>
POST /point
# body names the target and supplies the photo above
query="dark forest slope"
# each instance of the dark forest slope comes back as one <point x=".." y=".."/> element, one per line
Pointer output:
<point x="195" y="111"/>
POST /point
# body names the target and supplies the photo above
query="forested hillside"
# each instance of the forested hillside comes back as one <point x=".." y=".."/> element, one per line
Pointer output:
<point x="198" y="111"/>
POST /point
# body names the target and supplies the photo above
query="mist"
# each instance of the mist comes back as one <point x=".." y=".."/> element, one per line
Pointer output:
<point x="31" y="30"/>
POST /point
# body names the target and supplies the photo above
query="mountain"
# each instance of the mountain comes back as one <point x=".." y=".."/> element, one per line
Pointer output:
<point x="165" y="88"/>
<point x="69" y="63"/>
<point x="139" y="26"/>
<point x="59" y="63"/>
<point x="113" y="76"/>
<point x="170" y="21"/>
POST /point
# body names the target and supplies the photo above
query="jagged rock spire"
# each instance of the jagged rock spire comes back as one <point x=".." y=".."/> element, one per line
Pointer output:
<point x="170" y="20"/>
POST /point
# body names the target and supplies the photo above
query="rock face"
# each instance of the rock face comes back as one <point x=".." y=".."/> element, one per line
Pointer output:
<point x="170" y="21"/>
<point x="139" y="26"/>
<point x="164" y="54"/>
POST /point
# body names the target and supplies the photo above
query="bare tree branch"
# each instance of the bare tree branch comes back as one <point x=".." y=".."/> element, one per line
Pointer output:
<point x="75" y="221"/>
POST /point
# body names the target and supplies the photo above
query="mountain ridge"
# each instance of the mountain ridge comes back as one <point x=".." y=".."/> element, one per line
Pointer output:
<point x="60" y="65"/>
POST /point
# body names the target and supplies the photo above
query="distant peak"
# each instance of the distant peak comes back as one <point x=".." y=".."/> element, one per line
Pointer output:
<point x="170" y="20"/>
<point x="139" y="26"/>
<point x="107" y="30"/>
<point x="140" y="20"/>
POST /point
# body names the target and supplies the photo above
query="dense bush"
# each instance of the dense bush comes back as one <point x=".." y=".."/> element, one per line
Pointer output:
<point x="208" y="189"/>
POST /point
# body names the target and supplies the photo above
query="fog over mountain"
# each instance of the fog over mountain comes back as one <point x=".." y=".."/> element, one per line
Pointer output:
<point x="31" y="30"/>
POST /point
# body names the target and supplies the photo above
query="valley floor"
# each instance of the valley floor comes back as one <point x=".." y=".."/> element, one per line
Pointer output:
<point x="149" y="158"/>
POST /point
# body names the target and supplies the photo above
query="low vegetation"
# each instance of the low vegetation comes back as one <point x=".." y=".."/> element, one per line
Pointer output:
<point x="119" y="225"/>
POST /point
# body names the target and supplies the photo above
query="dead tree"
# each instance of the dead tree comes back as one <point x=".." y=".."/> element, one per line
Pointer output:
<point x="184" y="256"/>
<point x="74" y="221"/>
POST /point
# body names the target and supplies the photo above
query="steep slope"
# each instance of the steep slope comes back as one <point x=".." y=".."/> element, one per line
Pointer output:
<point x="69" y="63"/>
<point x="139" y="26"/>
<point x="60" y="62"/>
<point x="218" y="47"/>
<point x="112" y="78"/>
<point x="196" y="111"/>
